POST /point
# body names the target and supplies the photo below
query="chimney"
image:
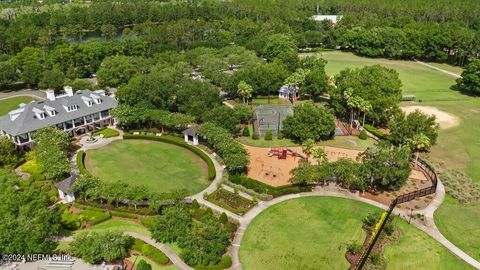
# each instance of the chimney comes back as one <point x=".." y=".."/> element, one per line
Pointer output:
<point x="68" y="90"/>
<point x="50" y="94"/>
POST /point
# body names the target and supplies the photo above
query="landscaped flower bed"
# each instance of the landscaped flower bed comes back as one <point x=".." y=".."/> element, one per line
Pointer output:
<point x="231" y="201"/>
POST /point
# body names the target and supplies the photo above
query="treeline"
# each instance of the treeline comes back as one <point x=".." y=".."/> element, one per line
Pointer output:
<point x="435" y="30"/>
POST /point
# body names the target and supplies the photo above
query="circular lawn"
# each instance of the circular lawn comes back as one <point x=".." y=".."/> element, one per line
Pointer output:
<point x="161" y="167"/>
<point x="313" y="232"/>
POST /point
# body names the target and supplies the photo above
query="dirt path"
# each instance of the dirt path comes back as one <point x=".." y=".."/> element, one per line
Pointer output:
<point x="439" y="69"/>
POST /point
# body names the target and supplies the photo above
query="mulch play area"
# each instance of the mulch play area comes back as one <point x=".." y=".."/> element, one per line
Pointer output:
<point x="276" y="172"/>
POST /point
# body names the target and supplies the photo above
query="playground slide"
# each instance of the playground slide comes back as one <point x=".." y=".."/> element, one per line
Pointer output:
<point x="296" y="153"/>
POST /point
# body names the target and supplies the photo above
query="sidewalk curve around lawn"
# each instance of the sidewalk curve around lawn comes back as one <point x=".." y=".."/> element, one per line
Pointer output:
<point x="174" y="258"/>
<point x="431" y="229"/>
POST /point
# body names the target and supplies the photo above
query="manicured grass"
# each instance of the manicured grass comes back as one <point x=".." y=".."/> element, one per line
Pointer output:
<point x="460" y="224"/>
<point x="348" y="142"/>
<point x="161" y="167"/>
<point x="155" y="266"/>
<point x="118" y="225"/>
<point x="9" y="104"/>
<point x="456" y="147"/>
<point x="312" y="233"/>
<point x="106" y="132"/>
<point x="455" y="69"/>
<point x="261" y="142"/>
<point x="425" y="83"/>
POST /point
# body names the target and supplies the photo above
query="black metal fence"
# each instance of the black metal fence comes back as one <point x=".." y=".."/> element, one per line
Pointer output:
<point x="431" y="175"/>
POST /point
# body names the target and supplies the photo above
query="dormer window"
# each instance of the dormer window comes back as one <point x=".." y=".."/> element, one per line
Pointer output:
<point x="72" y="108"/>
<point x="98" y="100"/>
<point x="90" y="103"/>
<point x="41" y="116"/>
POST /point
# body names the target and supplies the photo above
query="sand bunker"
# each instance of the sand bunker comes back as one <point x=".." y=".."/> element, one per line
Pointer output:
<point x="444" y="119"/>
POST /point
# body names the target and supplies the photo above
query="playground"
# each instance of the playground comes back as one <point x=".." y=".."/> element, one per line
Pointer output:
<point x="266" y="166"/>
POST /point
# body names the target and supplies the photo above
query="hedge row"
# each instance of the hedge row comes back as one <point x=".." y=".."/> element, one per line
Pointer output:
<point x="179" y="142"/>
<point x="123" y="214"/>
<point x="150" y="251"/>
<point x="225" y="263"/>
<point x="81" y="162"/>
<point x="264" y="188"/>
<point x="375" y="131"/>
<point x="93" y="216"/>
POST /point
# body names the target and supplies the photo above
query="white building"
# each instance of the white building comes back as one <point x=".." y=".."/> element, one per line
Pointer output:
<point x="64" y="189"/>
<point x="75" y="113"/>
<point x="332" y="18"/>
<point x="190" y="135"/>
<point x="288" y="92"/>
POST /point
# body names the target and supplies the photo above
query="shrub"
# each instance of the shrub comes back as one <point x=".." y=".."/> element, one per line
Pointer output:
<point x="155" y="254"/>
<point x="70" y="220"/>
<point x="96" y="247"/>
<point x="93" y="216"/>
<point x="268" y="135"/>
<point x="363" y="135"/>
<point x="354" y="247"/>
<point x="81" y="162"/>
<point x="279" y="135"/>
<point x="148" y="221"/>
<point x="370" y="219"/>
<point x="123" y="214"/>
<point x="379" y="134"/>
<point x="143" y="265"/>
<point x="375" y="259"/>
<point x="246" y="132"/>
<point x="223" y="218"/>
<point x="230" y="201"/>
<point x="225" y="263"/>
<point x="195" y="204"/>
<point x="460" y="186"/>
<point x="255" y="136"/>
<point x="264" y="188"/>
<point x="179" y="142"/>
<point x="232" y="152"/>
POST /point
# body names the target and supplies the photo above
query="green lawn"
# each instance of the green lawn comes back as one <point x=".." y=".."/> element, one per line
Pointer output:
<point x="106" y="132"/>
<point x="348" y="142"/>
<point x="457" y="147"/>
<point x="261" y="142"/>
<point x="9" y="104"/>
<point x="161" y="167"/>
<point x="312" y="233"/>
<point x="450" y="219"/>
<point x="117" y="225"/>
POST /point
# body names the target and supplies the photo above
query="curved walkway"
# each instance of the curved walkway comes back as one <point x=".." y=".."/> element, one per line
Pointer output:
<point x="430" y="229"/>
<point x="332" y="191"/>
<point x="174" y="258"/>
<point x="24" y="92"/>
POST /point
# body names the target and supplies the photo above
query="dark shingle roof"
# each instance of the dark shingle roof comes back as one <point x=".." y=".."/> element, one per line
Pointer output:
<point x="27" y="121"/>
<point x="191" y="131"/>
<point x="287" y="89"/>
<point x="66" y="184"/>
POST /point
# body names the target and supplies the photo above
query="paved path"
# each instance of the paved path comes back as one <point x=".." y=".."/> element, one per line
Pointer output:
<point x="174" y="258"/>
<point x="330" y="190"/>
<point x="439" y="69"/>
<point x="212" y="187"/>
<point x="24" y="92"/>
<point x="334" y="191"/>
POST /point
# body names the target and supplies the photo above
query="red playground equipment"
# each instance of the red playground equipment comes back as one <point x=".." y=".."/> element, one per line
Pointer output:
<point x="281" y="153"/>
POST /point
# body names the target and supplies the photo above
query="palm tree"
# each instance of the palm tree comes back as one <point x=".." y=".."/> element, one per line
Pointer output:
<point x="245" y="91"/>
<point x="319" y="154"/>
<point x="307" y="147"/>
<point x="417" y="143"/>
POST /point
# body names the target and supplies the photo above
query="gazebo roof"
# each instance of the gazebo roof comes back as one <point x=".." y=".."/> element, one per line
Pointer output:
<point x="191" y="131"/>
<point x="66" y="184"/>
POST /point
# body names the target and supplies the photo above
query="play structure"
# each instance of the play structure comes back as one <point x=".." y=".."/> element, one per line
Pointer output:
<point x="282" y="153"/>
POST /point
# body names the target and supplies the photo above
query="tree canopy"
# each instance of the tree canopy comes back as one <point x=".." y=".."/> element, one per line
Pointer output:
<point x="405" y="127"/>
<point x="309" y="122"/>
<point x="377" y="85"/>
<point x="470" y="81"/>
